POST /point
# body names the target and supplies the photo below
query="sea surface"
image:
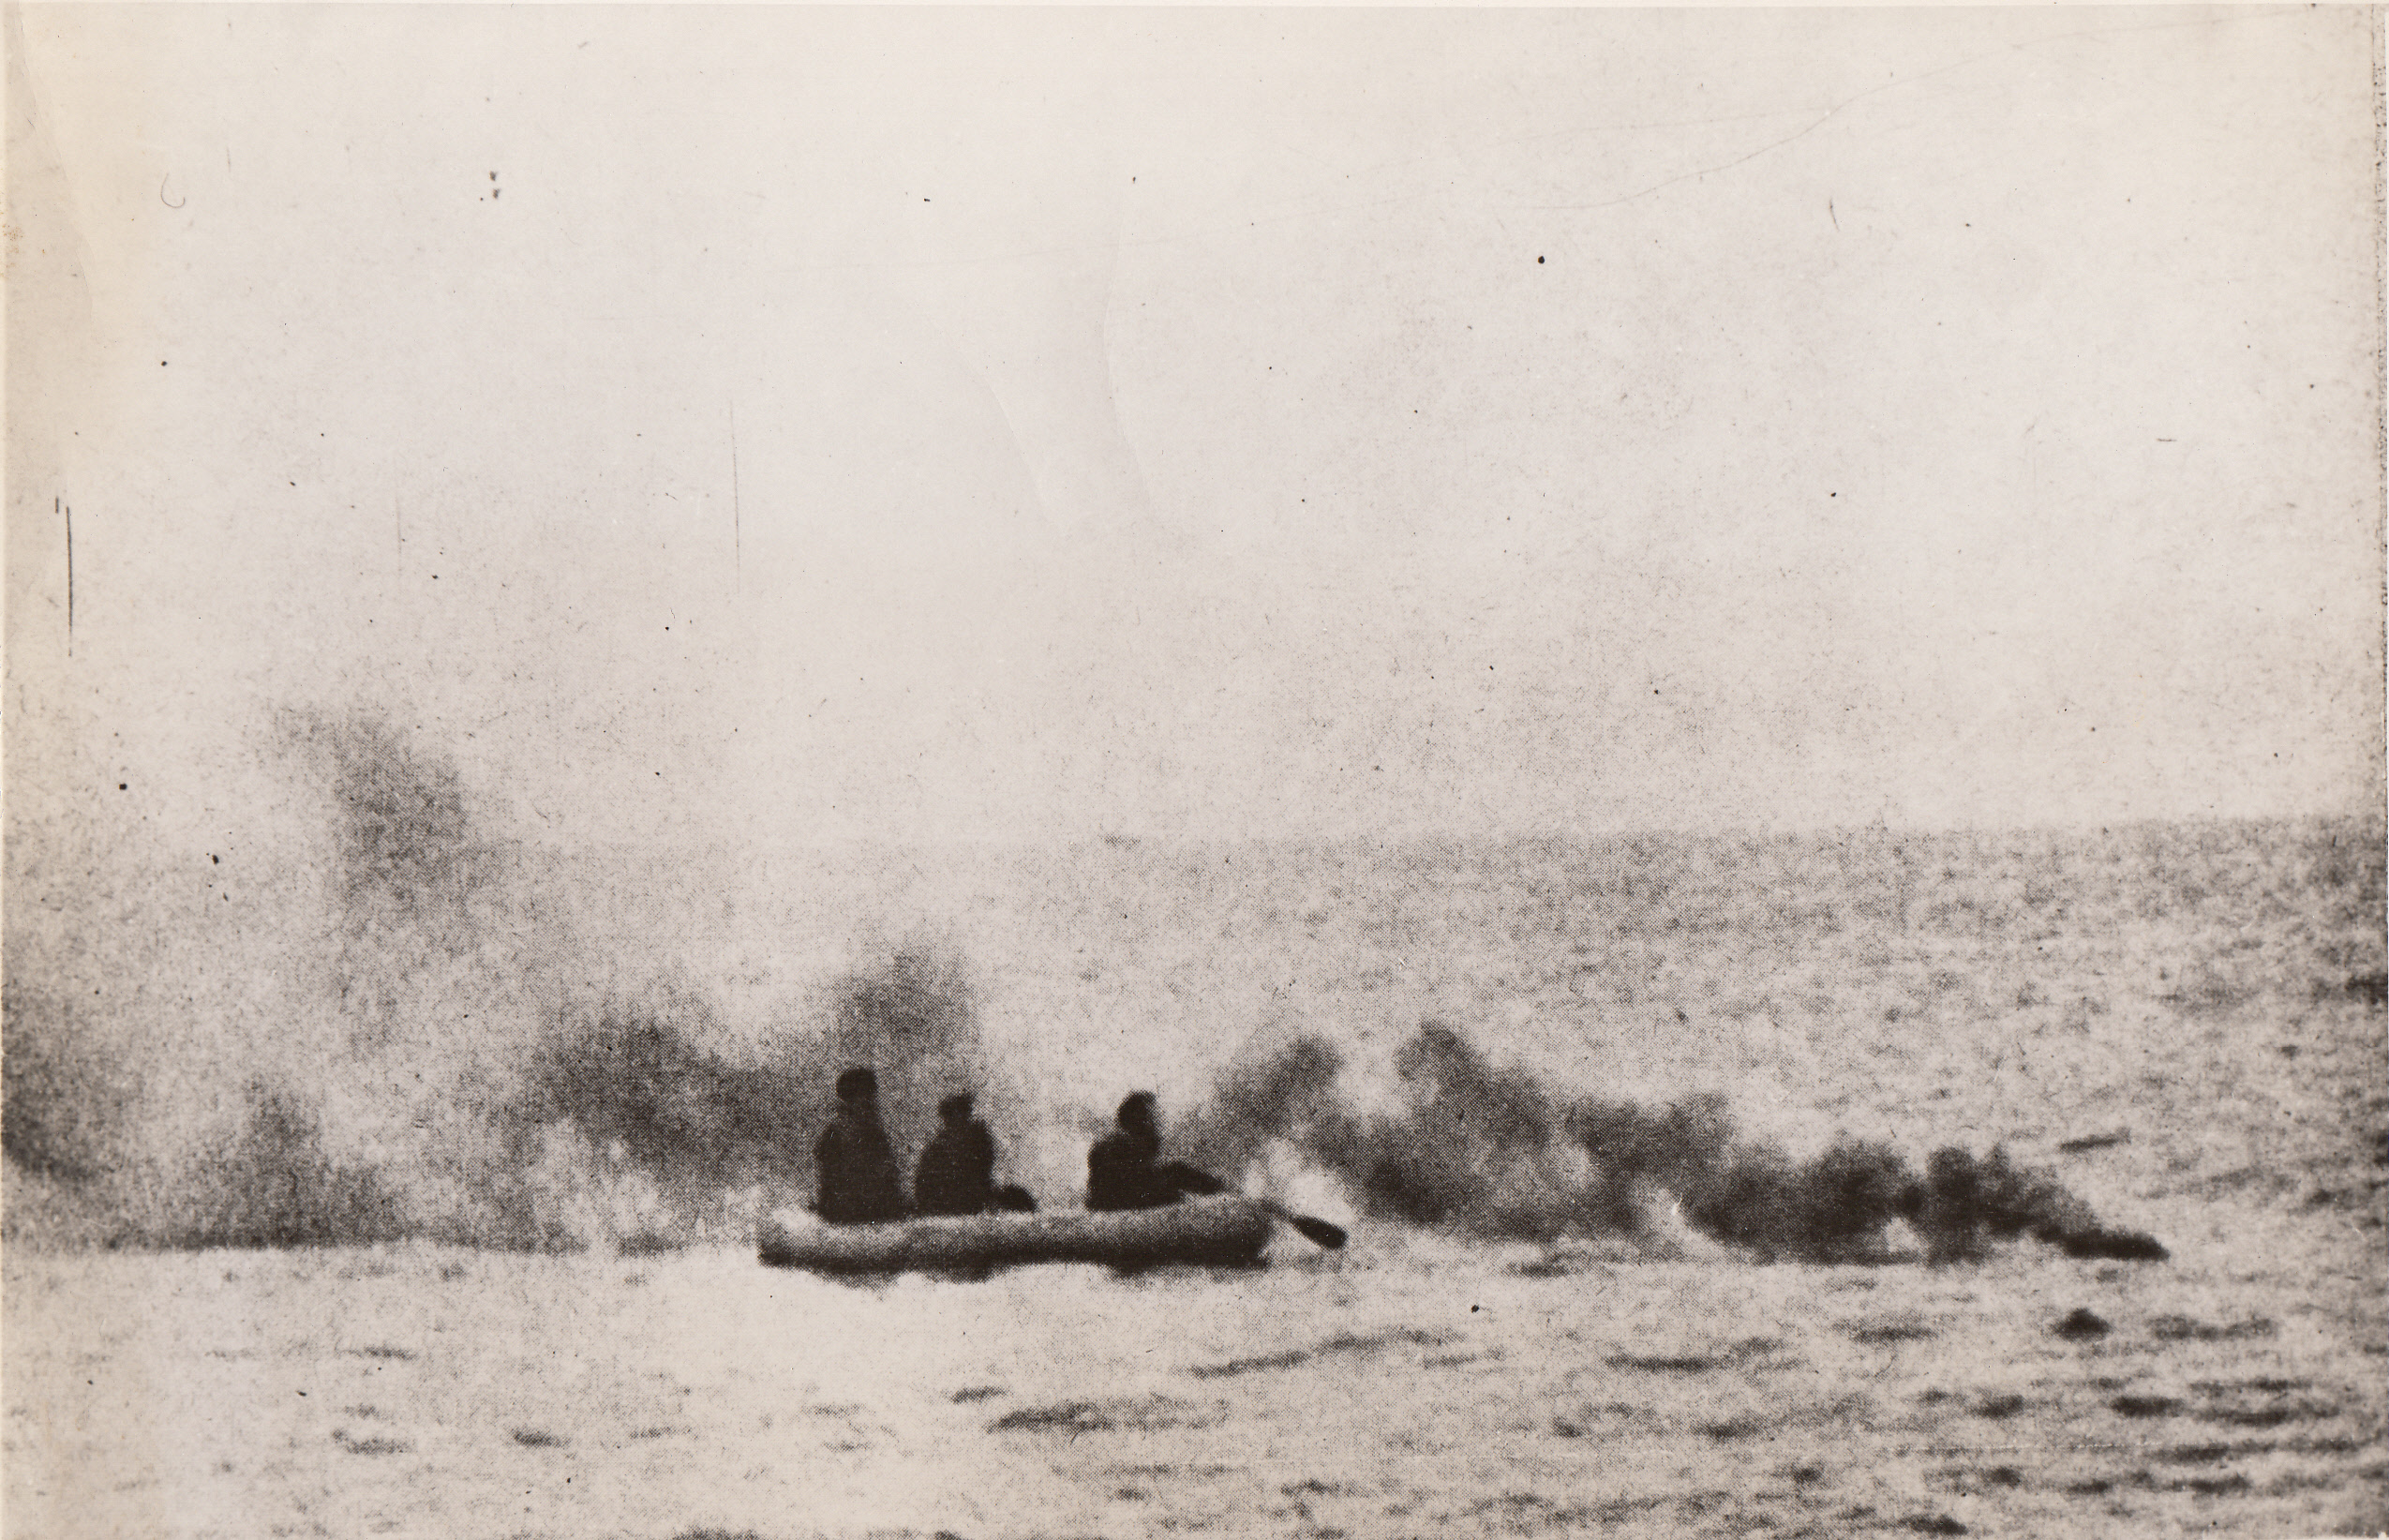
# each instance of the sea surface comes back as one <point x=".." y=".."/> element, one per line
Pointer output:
<point x="2183" y="1026"/>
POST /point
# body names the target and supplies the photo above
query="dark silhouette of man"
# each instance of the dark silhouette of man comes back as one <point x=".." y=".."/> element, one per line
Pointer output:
<point x="1125" y="1169"/>
<point x="957" y="1171"/>
<point x="855" y="1175"/>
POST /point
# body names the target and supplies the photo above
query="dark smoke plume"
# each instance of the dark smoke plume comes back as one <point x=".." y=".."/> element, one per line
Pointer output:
<point x="1964" y="1202"/>
<point x="654" y="1087"/>
<point x="648" y="1087"/>
<point x="397" y="1032"/>
<point x="1490" y="1151"/>
<point x="433" y="1051"/>
<point x="68" y="1104"/>
<point x="276" y="1185"/>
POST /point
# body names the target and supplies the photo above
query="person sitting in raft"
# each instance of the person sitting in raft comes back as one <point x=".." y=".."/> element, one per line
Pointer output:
<point x="855" y="1175"/>
<point x="1125" y="1169"/>
<point x="957" y="1173"/>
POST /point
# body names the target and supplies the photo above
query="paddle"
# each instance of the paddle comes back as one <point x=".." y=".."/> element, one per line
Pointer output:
<point x="1317" y="1231"/>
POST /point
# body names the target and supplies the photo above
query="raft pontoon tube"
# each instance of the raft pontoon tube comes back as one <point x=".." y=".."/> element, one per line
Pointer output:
<point x="1225" y="1232"/>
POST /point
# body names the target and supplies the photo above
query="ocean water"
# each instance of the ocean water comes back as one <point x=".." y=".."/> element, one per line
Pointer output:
<point x="2182" y="1026"/>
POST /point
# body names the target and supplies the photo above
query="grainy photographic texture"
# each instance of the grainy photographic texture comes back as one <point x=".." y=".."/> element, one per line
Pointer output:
<point x="1701" y="693"/>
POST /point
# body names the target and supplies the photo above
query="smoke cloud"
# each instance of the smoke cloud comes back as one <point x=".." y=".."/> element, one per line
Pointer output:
<point x="435" y="1051"/>
<point x="1490" y="1151"/>
<point x="398" y="1032"/>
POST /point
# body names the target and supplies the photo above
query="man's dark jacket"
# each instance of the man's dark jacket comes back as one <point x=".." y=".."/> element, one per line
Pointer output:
<point x="855" y="1175"/>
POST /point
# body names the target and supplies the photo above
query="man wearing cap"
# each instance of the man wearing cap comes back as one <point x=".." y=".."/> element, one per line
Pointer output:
<point x="855" y="1175"/>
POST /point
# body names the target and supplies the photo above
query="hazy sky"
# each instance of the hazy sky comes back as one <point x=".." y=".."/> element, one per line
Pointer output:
<point x="776" y="424"/>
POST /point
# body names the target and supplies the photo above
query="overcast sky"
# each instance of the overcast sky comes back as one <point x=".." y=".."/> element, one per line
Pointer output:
<point x="773" y="425"/>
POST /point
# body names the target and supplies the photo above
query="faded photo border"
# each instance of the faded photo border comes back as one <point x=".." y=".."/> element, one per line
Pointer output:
<point x="1699" y="694"/>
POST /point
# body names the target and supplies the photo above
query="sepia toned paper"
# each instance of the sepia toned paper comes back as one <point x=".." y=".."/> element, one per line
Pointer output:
<point x="1711" y="681"/>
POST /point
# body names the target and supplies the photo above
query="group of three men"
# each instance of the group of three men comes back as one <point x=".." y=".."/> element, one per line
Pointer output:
<point x="857" y="1180"/>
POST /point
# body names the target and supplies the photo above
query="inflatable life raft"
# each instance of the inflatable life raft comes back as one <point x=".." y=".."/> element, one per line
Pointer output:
<point x="1223" y="1231"/>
